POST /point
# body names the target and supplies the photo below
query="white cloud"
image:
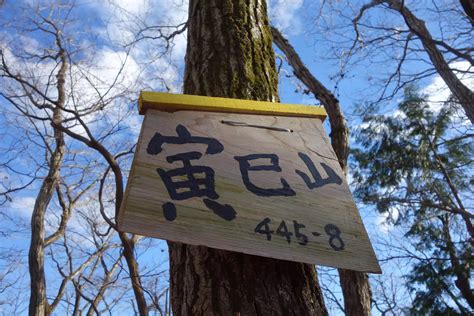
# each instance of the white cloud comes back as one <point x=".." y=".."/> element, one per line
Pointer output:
<point x="284" y="14"/>
<point x="125" y="19"/>
<point x="126" y="77"/>
<point x="438" y="92"/>
<point x="104" y="74"/>
<point x="104" y="69"/>
<point x="136" y="7"/>
<point x="22" y="206"/>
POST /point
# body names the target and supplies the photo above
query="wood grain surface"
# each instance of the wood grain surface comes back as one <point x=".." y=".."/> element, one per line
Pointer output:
<point x="335" y="235"/>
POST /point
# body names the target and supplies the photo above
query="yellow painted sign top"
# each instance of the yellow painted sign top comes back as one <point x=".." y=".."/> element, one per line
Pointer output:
<point x="181" y="102"/>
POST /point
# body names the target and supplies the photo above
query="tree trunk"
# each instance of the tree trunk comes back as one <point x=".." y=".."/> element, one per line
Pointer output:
<point x="229" y="54"/>
<point x="355" y="285"/>
<point x="468" y="7"/>
<point x="38" y="301"/>
<point x="356" y="291"/>
<point x="128" y="246"/>
<point x="462" y="271"/>
<point x="463" y="94"/>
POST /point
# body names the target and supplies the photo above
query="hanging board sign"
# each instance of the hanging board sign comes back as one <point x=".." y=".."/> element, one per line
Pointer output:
<point x="254" y="177"/>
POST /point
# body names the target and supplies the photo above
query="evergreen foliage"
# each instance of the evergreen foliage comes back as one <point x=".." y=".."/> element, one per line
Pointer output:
<point x="416" y="168"/>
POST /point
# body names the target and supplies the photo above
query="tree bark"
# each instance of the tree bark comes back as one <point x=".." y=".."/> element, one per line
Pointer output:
<point x="468" y="7"/>
<point x="462" y="273"/>
<point x="356" y="291"/>
<point x="229" y="54"/>
<point x="128" y="244"/>
<point x="355" y="285"/>
<point x="38" y="301"/>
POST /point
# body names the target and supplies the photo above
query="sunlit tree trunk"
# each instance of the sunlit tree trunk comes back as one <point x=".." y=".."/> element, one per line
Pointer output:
<point x="230" y="54"/>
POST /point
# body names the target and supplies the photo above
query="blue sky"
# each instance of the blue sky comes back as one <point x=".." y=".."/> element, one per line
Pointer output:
<point x="101" y="28"/>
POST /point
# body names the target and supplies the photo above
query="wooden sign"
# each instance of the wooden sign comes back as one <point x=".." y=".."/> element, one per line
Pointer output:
<point x="263" y="180"/>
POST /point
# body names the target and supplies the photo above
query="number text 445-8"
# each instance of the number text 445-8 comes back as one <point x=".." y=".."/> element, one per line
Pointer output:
<point x="299" y="234"/>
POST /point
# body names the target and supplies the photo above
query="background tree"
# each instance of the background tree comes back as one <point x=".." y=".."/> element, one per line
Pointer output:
<point x="49" y="87"/>
<point x="395" y="43"/>
<point x="355" y="285"/>
<point x="416" y="167"/>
